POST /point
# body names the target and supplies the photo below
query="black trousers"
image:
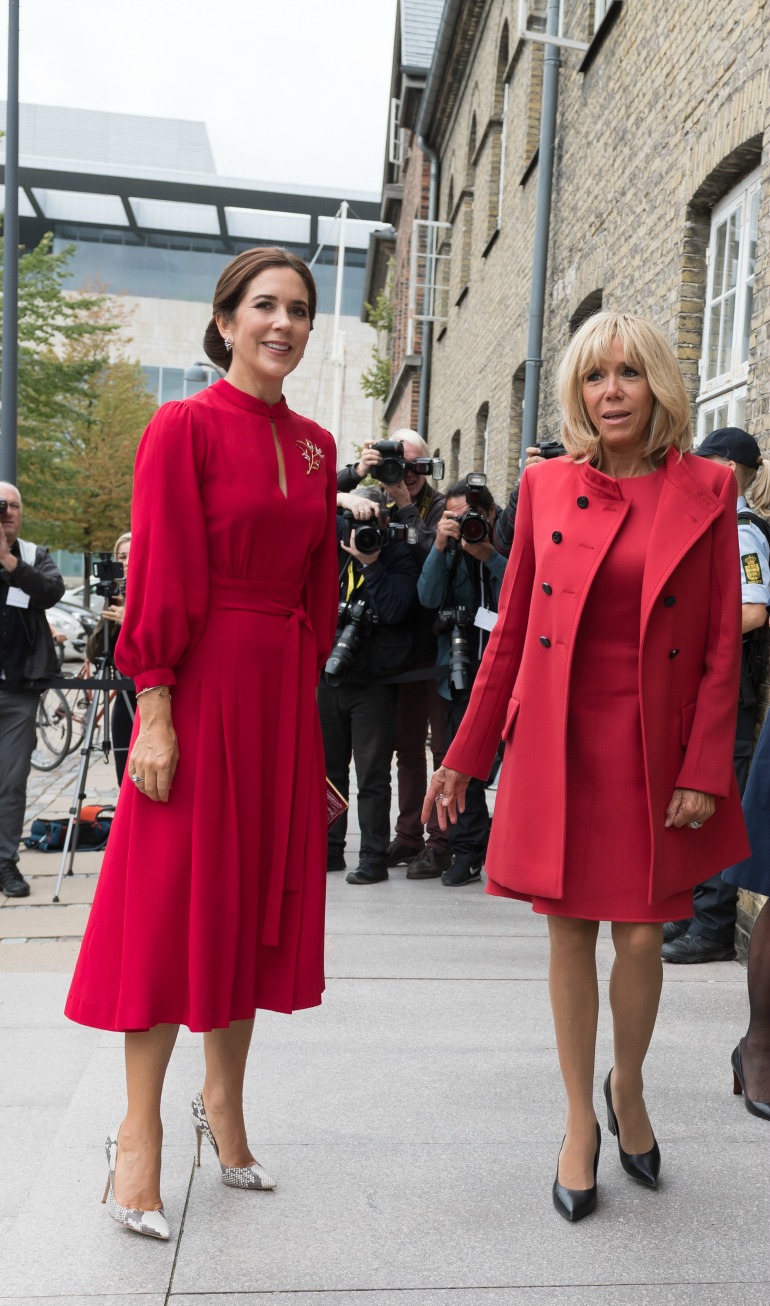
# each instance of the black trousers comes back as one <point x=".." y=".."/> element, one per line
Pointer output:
<point x="359" y="722"/>
<point x="468" y="839"/>
<point x="715" y="902"/>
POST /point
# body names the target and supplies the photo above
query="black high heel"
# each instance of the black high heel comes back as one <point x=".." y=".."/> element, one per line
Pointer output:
<point x="644" y="1167"/>
<point x="759" y="1109"/>
<point x="575" y="1203"/>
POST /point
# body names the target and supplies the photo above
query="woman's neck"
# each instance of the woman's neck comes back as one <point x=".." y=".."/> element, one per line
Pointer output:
<point x="622" y="463"/>
<point x="268" y="391"/>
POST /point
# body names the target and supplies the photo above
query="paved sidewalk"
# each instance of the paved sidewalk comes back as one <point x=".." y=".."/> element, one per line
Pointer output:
<point x="413" y="1121"/>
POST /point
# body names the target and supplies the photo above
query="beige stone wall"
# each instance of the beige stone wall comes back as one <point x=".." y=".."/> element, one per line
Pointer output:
<point x="669" y="115"/>
<point x="169" y="333"/>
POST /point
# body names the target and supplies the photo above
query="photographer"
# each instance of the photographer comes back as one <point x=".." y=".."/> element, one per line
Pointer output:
<point x="112" y="614"/>
<point x="29" y="584"/>
<point x="414" y="502"/>
<point x="462" y="578"/>
<point x="357" y="709"/>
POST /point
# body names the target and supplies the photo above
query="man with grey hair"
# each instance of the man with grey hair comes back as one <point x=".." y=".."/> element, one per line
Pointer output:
<point x="418" y="505"/>
<point x="29" y="584"/>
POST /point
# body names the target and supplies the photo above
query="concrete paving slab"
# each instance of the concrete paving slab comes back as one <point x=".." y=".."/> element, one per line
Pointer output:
<point x="33" y="1001"/>
<point x="377" y="1218"/>
<point x="74" y="888"/>
<point x="36" y="956"/>
<point x="127" y="1299"/>
<point x="52" y="922"/>
<point x="718" y="1294"/>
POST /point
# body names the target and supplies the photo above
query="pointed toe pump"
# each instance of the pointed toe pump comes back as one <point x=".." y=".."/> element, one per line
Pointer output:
<point x="575" y="1203"/>
<point x="242" y="1176"/>
<point x="153" y="1224"/>
<point x="759" y="1109"/>
<point x="644" y="1167"/>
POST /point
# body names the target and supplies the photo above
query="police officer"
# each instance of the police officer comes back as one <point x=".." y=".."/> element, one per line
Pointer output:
<point x="710" y="935"/>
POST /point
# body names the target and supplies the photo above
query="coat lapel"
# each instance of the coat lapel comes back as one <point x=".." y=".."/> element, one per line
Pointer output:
<point x="686" y="509"/>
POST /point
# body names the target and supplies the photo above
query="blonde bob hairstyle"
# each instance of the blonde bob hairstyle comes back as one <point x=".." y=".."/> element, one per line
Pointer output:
<point x="646" y="349"/>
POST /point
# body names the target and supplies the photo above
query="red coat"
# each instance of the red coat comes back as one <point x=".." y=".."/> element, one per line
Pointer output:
<point x="689" y="669"/>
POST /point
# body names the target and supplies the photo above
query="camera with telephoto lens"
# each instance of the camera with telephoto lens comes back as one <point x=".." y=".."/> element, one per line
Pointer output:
<point x="354" y="618"/>
<point x="455" y="623"/>
<point x="394" y="463"/>
<point x="550" y="449"/>
<point x="474" y="527"/>
<point x="374" y="534"/>
<point x="3" y="507"/>
<point x="109" y="576"/>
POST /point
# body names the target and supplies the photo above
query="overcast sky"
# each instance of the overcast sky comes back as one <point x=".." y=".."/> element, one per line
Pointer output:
<point x="291" y="90"/>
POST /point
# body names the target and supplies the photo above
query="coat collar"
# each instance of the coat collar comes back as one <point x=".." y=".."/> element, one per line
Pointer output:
<point x="686" y="509"/>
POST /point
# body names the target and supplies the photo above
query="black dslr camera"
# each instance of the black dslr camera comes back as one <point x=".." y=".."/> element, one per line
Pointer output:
<point x="473" y="524"/>
<point x="3" y="508"/>
<point x="550" y="449"/>
<point x="373" y="535"/>
<point x="455" y="622"/>
<point x="394" y="463"/>
<point x="354" y="618"/>
<point x="109" y="576"/>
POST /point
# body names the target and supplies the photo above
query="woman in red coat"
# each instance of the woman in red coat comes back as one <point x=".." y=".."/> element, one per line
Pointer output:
<point x="210" y="902"/>
<point x="612" y="675"/>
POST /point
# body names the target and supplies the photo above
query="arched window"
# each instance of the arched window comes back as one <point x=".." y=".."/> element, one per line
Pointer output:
<point x="481" y="448"/>
<point x="499" y="118"/>
<point x="585" y="309"/>
<point x="534" y="101"/>
<point x="454" y="457"/>
<point x="516" y="425"/>
<point x="467" y="209"/>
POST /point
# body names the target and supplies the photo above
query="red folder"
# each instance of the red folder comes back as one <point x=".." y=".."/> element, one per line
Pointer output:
<point x="335" y="804"/>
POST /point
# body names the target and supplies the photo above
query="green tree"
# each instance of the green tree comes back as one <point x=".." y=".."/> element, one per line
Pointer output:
<point x="375" y="380"/>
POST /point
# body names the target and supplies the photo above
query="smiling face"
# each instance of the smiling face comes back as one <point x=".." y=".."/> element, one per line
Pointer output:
<point x="619" y="402"/>
<point x="269" y="331"/>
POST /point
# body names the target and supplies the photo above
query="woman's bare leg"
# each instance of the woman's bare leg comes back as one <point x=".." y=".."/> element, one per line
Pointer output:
<point x="226" y="1053"/>
<point x="575" y="1003"/>
<point x="137" y="1169"/>
<point x="635" y="984"/>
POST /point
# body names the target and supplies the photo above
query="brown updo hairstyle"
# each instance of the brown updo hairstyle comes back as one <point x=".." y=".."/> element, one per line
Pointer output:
<point x="235" y="281"/>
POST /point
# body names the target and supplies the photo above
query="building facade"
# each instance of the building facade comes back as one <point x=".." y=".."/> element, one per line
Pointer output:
<point x="150" y="220"/>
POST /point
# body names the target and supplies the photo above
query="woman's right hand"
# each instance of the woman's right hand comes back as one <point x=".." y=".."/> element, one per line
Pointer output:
<point x="447" y="790"/>
<point x="155" y="754"/>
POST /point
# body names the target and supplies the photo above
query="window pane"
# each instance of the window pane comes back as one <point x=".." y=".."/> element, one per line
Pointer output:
<point x="739" y="411"/>
<point x="171" y="383"/>
<point x="152" y="380"/>
<point x="714" y="319"/>
<point x="751" y="263"/>
<point x="717" y="285"/>
<point x="726" y="343"/>
<point x="734" y="247"/>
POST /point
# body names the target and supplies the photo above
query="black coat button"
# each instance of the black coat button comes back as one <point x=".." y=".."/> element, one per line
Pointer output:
<point x="545" y="641"/>
<point x="547" y="588"/>
<point x="669" y="601"/>
<point x="674" y="653"/>
<point x="556" y="537"/>
<point x="582" y="502"/>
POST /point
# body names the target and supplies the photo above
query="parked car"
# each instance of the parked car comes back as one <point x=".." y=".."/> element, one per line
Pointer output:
<point x="76" y="622"/>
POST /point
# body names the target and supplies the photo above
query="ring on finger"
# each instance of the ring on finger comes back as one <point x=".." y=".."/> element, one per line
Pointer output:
<point x="695" y="825"/>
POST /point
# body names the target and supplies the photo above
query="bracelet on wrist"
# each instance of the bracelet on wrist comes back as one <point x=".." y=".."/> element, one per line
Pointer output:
<point x="151" y="689"/>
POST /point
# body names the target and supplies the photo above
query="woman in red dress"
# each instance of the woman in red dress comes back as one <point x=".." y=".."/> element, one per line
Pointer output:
<point x="210" y="902"/>
<point x="612" y="675"/>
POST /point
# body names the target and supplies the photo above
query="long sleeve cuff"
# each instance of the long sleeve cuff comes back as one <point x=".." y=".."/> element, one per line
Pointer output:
<point x="149" y="679"/>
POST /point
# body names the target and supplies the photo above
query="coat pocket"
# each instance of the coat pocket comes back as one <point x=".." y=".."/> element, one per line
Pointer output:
<point x="688" y="714"/>
<point x="513" y="708"/>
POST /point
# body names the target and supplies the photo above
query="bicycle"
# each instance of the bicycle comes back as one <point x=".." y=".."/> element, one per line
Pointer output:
<point x="53" y="729"/>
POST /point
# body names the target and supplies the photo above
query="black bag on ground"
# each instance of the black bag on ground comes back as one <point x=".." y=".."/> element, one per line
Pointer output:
<point x="91" y="832"/>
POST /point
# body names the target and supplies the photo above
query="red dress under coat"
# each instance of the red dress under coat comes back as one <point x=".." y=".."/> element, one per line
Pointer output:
<point x="212" y="905"/>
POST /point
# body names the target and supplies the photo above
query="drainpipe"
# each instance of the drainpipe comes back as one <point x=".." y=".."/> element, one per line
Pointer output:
<point x="427" y="327"/>
<point x="551" y="63"/>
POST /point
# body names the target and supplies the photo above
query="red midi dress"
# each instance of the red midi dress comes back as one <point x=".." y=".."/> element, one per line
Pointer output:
<point x="212" y="905"/>
<point x="607" y="856"/>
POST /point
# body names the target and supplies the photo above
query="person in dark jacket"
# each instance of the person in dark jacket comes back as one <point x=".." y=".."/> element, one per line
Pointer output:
<point x="29" y="584"/>
<point x="357" y="707"/>
<point x="415" y="503"/>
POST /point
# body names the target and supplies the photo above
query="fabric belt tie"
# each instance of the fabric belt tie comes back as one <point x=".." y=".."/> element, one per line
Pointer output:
<point x="294" y="747"/>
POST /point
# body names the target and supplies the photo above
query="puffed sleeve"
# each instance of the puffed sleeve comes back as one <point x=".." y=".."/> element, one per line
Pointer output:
<point x="168" y="580"/>
<point x="320" y="591"/>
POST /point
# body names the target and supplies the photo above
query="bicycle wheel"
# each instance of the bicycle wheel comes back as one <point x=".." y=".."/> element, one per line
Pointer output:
<point x="53" y="731"/>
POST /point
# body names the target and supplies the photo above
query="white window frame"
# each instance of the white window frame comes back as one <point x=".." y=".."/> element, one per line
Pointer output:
<point x="525" y="33"/>
<point x="428" y="275"/>
<point x="728" y="388"/>
<point x="395" y="136"/>
<point x="601" y="8"/>
<point x="503" y="142"/>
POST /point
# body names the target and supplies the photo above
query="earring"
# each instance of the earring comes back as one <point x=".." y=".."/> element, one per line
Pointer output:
<point x="229" y="344"/>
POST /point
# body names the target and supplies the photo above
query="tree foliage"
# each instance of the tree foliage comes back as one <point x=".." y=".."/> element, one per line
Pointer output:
<point x="376" y="379"/>
<point x="82" y="408"/>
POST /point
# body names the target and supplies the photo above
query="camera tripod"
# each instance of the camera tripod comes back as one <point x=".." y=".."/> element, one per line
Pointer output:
<point x="105" y="681"/>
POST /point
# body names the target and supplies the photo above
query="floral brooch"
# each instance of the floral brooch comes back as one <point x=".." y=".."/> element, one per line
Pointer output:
<point x="311" y="453"/>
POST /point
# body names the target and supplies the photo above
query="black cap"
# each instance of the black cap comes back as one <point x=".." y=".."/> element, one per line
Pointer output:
<point x="732" y="443"/>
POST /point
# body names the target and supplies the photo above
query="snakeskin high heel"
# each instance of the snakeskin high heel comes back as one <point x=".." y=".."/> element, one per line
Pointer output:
<point x="243" y="1176"/>
<point x="153" y="1224"/>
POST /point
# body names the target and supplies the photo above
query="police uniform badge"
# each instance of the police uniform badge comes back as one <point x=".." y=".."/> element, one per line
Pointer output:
<point x="752" y="569"/>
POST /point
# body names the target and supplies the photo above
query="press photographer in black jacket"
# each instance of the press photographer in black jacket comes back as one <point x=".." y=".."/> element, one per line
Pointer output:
<point x="357" y="709"/>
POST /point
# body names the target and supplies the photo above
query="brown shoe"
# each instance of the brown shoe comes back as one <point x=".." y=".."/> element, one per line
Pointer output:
<point x="429" y="865"/>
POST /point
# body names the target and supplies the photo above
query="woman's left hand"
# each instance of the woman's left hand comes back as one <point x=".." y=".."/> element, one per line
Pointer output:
<point x="689" y="807"/>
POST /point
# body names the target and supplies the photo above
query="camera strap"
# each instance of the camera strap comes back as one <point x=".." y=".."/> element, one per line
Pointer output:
<point x="354" y="581"/>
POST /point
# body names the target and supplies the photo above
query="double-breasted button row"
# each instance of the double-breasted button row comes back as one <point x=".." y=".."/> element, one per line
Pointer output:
<point x="673" y="653"/>
<point x="545" y="641"/>
<point x="546" y="588"/>
<point x="557" y="537"/>
<point x="582" y="501"/>
<point x="669" y="601"/>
